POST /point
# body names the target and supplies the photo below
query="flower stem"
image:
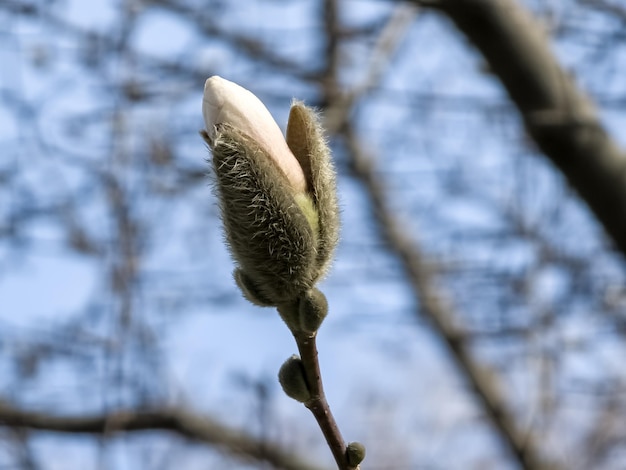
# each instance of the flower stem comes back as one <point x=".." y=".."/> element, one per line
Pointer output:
<point x="317" y="403"/>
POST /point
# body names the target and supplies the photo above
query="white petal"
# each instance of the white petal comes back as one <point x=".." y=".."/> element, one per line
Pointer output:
<point x="226" y="102"/>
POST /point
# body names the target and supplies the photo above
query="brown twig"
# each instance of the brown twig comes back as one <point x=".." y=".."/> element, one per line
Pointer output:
<point x="337" y="106"/>
<point x="317" y="403"/>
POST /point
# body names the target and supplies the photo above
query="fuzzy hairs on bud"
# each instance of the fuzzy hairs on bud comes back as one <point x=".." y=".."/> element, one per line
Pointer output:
<point x="305" y="137"/>
<point x="269" y="235"/>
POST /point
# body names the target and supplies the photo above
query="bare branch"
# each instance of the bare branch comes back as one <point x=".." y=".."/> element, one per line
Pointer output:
<point x="317" y="404"/>
<point x="558" y="116"/>
<point x="178" y="421"/>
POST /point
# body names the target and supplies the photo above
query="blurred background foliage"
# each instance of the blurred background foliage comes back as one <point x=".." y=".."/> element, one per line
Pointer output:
<point x="477" y="308"/>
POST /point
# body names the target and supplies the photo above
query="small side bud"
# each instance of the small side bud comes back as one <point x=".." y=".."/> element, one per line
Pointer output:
<point x="355" y="453"/>
<point x="249" y="290"/>
<point x="292" y="379"/>
<point x="290" y="314"/>
<point x="313" y="309"/>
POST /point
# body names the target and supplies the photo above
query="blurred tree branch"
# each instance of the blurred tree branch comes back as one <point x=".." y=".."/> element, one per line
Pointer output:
<point x="179" y="421"/>
<point x="558" y="116"/>
<point x="125" y="321"/>
<point x="484" y="382"/>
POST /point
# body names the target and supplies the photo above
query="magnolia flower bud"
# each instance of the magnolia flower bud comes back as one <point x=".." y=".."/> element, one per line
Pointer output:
<point x="278" y="197"/>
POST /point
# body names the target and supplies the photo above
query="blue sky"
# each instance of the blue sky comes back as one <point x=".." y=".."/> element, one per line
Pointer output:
<point x="383" y="368"/>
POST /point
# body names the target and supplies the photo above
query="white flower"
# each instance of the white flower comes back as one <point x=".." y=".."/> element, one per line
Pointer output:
<point x="225" y="102"/>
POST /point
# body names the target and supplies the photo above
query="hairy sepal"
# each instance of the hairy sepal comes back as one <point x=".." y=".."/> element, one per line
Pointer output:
<point x="305" y="138"/>
<point x="270" y="237"/>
